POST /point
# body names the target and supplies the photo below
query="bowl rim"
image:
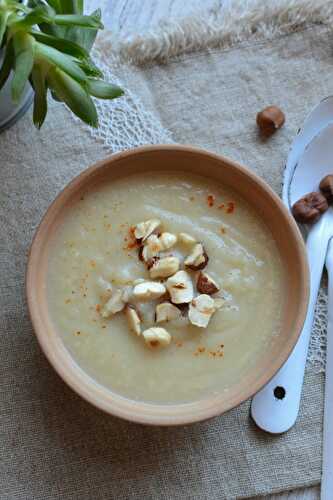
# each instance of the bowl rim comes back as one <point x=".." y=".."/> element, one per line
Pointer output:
<point x="116" y="405"/>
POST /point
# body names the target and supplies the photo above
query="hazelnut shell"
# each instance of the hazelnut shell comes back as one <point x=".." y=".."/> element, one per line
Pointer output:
<point x="326" y="187"/>
<point x="270" y="119"/>
<point x="308" y="209"/>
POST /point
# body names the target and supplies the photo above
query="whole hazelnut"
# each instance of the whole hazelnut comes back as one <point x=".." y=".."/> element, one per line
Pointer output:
<point x="308" y="209"/>
<point x="270" y="119"/>
<point x="326" y="187"/>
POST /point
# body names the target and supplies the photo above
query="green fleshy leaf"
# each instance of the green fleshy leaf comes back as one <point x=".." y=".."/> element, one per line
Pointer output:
<point x="61" y="44"/>
<point x="34" y="3"/>
<point x="71" y="6"/>
<point x="78" y="20"/>
<point x="6" y="65"/>
<point x="16" y="6"/>
<point x="67" y="6"/>
<point x="74" y="95"/>
<point x="86" y="37"/>
<point x="103" y="90"/>
<point x="52" y="29"/>
<point x="72" y="49"/>
<point x="40" y="98"/>
<point x="63" y="61"/>
<point x="80" y="6"/>
<point x="41" y="14"/>
<point x="56" y="5"/>
<point x="24" y="58"/>
<point x="90" y="69"/>
<point x="3" y="24"/>
<point x="55" y="97"/>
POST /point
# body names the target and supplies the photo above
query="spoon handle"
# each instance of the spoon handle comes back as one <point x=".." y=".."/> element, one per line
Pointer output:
<point x="275" y="407"/>
<point x="327" y="475"/>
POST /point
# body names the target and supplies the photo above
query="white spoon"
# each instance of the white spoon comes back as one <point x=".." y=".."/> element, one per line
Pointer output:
<point x="275" y="408"/>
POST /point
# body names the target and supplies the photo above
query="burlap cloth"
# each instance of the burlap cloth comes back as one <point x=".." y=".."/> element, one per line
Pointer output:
<point x="56" y="446"/>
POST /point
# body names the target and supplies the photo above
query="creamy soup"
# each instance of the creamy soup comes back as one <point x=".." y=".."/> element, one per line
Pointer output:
<point x="94" y="247"/>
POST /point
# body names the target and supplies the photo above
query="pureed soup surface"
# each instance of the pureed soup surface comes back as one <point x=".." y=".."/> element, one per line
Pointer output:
<point x="95" y="242"/>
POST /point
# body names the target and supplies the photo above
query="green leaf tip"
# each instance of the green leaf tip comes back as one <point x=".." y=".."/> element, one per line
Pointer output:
<point x="6" y="65"/>
<point x="24" y="58"/>
<point x="74" y="95"/>
<point x="78" y="20"/>
<point x="40" y="98"/>
<point x="104" y="90"/>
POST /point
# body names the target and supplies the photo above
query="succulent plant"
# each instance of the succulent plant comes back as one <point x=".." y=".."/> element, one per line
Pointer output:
<point x="47" y="42"/>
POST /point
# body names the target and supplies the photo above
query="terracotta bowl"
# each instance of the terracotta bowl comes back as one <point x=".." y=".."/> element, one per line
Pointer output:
<point x="222" y="170"/>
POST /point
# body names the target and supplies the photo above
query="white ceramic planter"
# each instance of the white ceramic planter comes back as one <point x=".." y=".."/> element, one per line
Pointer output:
<point x="9" y="112"/>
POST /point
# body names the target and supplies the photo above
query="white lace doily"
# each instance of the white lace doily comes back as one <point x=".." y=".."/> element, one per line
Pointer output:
<point x="133" y="125"/>
<point x="317" y="348"/>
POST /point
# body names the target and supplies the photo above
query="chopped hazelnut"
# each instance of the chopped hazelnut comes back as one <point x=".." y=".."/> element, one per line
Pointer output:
<point x="180" y="288"/>
<point x="154" y="244"/>
<point x="308" y="209"/>
<point x="151" y="262"/>
<point x="168" y="240"/>
<point x="133" y="319"/>
<point x="270" y="119"/>
<point x="148" y="290"/>
<point x="167" y="312"/>
<point x="114" y="305"/>
<point x="105" y="288"/>
<point x="151" y="248"/>
<point x="198" y="258"/>
<point x="201" y="310"/>
<point x="187" y="240"/>
<point x="326" y="187"/>
<point x="156" y="337"/>
<point x="127" y="293"/>
<point x="145" y="229"/>
<point x="163" y="268"/>
<point x="206" y="284"/>
<point x="183" y="309"/>
<point x="138" y="281"/>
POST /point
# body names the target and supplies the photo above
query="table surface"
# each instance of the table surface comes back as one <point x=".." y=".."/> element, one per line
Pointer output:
<point x="126" y="16"/>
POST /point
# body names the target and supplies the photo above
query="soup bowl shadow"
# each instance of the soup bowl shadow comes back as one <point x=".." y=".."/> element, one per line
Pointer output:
<point x="221" y="170"/>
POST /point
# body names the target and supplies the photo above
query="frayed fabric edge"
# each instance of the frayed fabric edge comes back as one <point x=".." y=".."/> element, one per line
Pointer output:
<point x="220" y="27"/>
